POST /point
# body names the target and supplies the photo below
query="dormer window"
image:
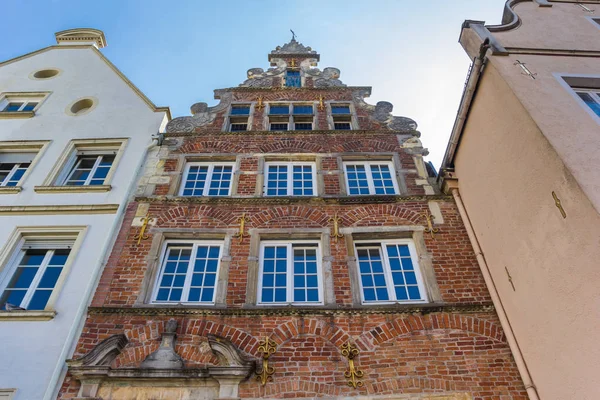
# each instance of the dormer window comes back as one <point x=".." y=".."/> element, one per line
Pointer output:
<point x="292" y="79"/>
<point x="239" y="117"/>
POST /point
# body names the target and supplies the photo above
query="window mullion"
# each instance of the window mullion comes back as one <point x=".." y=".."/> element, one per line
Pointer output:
<point x="37" y="278"/>
<point x="93" y="171"/>
<point x="289" y="275"/>
<point x="209" y="177"/>
<point x="185" y="292"/>
<point x="389" y="280"/>
<point x="10" y="175"/>
<point x="290" y="178"/>
<point x="370" y="178"/>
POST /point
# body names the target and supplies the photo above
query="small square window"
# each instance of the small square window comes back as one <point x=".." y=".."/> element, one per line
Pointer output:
<point x="292" y="79"/>
<point x="207" y="179"/>
<point x="370" y="178"/>
<point x="34" y="272"/>
<point x="290" y="273"/>
<point x="20" y="102"/>
<point x="290" y="179"/>
<point x="389" y="272"/>
<point x="189" y="272"/>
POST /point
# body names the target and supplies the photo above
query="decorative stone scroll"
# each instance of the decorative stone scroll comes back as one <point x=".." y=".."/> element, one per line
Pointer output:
<point x="164" y="368"/>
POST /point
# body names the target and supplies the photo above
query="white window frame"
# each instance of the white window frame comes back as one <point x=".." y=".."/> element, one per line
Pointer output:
<point x="349" y="116"/>
<point x="12" y="250"/>
<point x="291" y="117"/>
<point x="76" y="161"/>
<point x="16" y="97"/>
<point x="209" y="175"/>
<point x="594" y="93"/>
<point x="190" y="271"/>
<point x="370" y="182"/>
<point x="12" y="172"/>
<point x="7" y="394"/>
<point x="290" y="272"/>
<point x="290" y="177"/>
<point x="389" y="282"/>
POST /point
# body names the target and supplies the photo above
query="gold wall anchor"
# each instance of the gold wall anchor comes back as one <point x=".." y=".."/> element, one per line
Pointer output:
<point x="430" y="229"/>
<point x="293" y="63"/>
<point x="353" y="374"/>
<point x="321" y="106"/>
<point x="559" y="205"/>
<point x="142" y="235"/>
<point x="259" y="103"/>
<point x="336" y="227"/>
<point x="267" y="347"/>
<point x="242" y="220"/>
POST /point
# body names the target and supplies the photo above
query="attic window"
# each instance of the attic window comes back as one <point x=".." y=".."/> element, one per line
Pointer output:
<point x="46" y="73"/>
<point x="292" y="79"/>
<point x="81" y="106"/>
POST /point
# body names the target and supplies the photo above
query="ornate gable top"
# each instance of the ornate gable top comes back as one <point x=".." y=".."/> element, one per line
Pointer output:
<point x="293" y="48"/>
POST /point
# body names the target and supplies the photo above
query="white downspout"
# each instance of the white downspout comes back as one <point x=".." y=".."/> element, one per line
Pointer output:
<point x="60" y="371"/>
<point x="510" y="336"/>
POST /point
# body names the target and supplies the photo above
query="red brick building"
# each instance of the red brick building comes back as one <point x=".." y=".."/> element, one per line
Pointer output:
<point x="296" y="214"/>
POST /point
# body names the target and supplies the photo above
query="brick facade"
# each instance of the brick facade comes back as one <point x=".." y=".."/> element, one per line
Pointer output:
<point x="452" y="345"/>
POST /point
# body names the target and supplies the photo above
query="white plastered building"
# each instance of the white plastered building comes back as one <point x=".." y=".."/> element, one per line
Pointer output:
<point x="74" y="132"/>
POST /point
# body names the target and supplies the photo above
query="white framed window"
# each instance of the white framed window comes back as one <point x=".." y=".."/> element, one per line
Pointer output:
<point x="207" y="179"/>
<point x="290" y="179"/>
<point x="33" y="272"/>
<point x="290" y="273"/>
<point x="89" y="168"/>
<point x="21" y="102"/>
<point x="373" y="177"/>
<point x="189" y="272"/>
<point x="389" y="272"/>
<point x="13" y="167"/>
<point x="591" y="98"/>
<point x="7" y="394"/>
<point x="291" y="116"/>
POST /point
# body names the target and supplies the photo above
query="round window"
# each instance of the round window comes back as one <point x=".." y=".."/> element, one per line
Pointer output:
<point x="46" y="73"/>
<point x="81" y="106"/>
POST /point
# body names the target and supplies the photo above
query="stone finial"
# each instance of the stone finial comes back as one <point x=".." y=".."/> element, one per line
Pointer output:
<point x="165" y="357"/>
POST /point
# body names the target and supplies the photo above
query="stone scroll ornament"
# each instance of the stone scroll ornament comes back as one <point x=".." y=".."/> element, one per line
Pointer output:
<point x="202" y="115"/>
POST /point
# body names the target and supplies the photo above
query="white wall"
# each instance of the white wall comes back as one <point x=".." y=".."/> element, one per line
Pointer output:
<point x="33" y="353"/>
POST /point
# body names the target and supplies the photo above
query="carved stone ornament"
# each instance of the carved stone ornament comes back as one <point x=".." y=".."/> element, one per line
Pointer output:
<point x="382" y="113"/>
<point x="293" y="47"/>
<point x="202" y="115"/>
<point x="93" y="370"/>
<point x="165" y="356"/>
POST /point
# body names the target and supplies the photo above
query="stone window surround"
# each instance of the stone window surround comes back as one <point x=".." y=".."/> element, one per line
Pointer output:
<point x="568" y="81"/>
<point x="353" y="118"/>
<point x="377" y="233"/>
<point x="209" y="175"/>
<point x="39" y="96"/>
<point x="13" y="245"/>
<point x="183" y="159"/>
<point x="7" y="394"/>
<point x="25" y="146"/>
<point x="259" y="235"/>
<point x="154" y="257"/>
<point x="291" y="116"/>
<point x="227" y="121"/>
<point x="51" y="183"/>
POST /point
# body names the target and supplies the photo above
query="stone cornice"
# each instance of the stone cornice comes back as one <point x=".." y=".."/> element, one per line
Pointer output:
<point x="60" y="209"/>
<point x="267" y="201"/>
<point x="292" y="89"/>
<point x="286" y="133"/>
<point x="294" y="311"/>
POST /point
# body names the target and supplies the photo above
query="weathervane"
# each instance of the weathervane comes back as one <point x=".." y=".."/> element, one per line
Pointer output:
<point x="293" y="35"/>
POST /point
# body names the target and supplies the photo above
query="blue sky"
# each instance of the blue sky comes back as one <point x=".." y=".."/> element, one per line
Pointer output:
<point x="178" y="52"/>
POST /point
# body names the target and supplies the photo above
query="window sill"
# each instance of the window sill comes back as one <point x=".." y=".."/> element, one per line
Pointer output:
<point x="27" y="315"/>
<point x="72" y="189"/>
<point x="16" y="114"/>
<point x="10" y="189"/>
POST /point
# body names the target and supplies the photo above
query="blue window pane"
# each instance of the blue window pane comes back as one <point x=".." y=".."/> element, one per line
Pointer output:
<point x="398" y="278"/>
<point x="279" y="110"/>
<point x="292" y="79"/>
<point x="207" y="294"/>
<point x="175" y="295"/>
<point x="410" y="278"/>
<point x="281" y="265"/>
<point x="14" y="297"/>
<point x="163" y="295"/>
<point x="267" y="295"/>
<point x="281" y="252"/>
<point x="413" y="293"/>
<point x="369" y="294"/>
<point x="299" y="281"/>
<point x="210" y="279"/>
<point x="312" y="295"/>
<point x="167" y="280"/>
<point x="280" y="295"/>
<point x="311" y="268"/>
<point x="59" y="257"/>
<point x="268" y="280"/>
<point x="340" y="109"/>
<point x="280" y="280"/>
<point x="23" y="277"/>
<point x="377" y="266"/>
<point x="194" y="294"/>
<point x="240" y="110"/>
<point x="179" y="280"/>
<point x="299" y="295"/>
<point x="202" y="252"/>
<point x="303" y="109"/>
<point x="401" y="293"/>
<point x="404" y="252"/>
<point x="269" y="266"/>
<point x="312" y="281"/>
<point x="379" y="280"/>
<point x="39" y="300"/>
<point x="590" y="102"/>
<point x="11" y="107"/>
<point x="30" y="106"/>
<point x="367" y="280"/>
<point x="182" y="268"/>
<point x="298" y="268"/>
<point x="33" y="257"/>
<point x="170" y="267"/>
<point x="50" y="277"/>
<point x="211" y="265"/>
<point x="382" y="294"/>
<point x="197" y="279"/>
